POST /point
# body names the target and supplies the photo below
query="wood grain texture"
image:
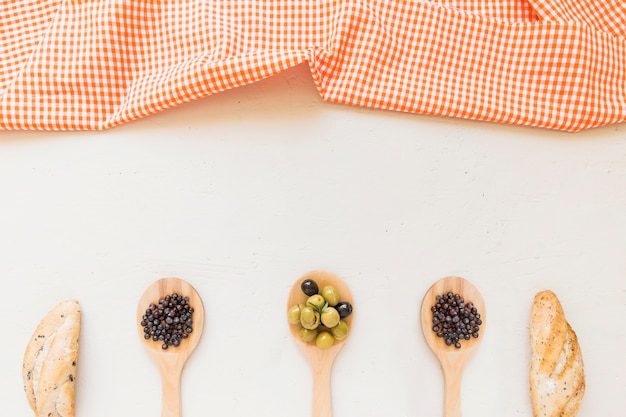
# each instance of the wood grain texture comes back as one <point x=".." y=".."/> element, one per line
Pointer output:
<point x="321" y="361"/>
<point x="451" y="359"/>
<point x="171" y="361"/>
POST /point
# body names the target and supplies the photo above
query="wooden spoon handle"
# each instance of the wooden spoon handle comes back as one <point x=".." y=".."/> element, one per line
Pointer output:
<point x="170" y="380"/>
<point x="452" y="393"/>
<point x="322" y="399"/>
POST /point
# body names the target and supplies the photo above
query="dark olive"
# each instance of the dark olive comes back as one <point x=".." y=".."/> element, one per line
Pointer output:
<point x="344" y="308"/>
<point x="309" y="287"/>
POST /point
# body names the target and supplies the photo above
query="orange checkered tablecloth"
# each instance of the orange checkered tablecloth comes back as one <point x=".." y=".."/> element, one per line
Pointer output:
<point x="558" y="64"/>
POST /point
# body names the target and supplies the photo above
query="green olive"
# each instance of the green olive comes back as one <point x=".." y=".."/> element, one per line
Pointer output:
<point x="293" y="315"/>
<point x="308" y="335"/>
<point x="316" y="301"/>
<point x="330" y="317"/>
<point x="331" y="295"/>
<point x="341" y="330"/>
<point x="309" y="318"/>
<point x="324" y="340"/>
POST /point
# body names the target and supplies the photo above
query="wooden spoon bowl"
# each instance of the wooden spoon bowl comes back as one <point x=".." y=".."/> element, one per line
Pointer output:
<point x="321" y="361"/>
<point x="171" y="361"/>
<point x="451" y="359"/>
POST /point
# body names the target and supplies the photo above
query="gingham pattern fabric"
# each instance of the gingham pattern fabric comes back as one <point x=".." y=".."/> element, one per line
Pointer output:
<point x="558" y="64"/>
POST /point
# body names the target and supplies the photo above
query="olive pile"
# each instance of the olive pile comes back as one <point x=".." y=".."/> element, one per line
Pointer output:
<point x="168" y="321"/>
<point x="321" y="318"/>
<point x="454" y="319"/>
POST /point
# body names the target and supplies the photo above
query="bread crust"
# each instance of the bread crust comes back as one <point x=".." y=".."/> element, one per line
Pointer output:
<point x="557" y="377"/>
<point x="49" y="367"/>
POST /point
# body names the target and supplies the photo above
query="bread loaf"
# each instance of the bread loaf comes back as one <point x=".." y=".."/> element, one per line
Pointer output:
<point x="49" y="369"/>
<point x="557" y="377"/>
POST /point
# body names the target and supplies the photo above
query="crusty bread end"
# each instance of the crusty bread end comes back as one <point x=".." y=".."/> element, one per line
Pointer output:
<point x="49" y="368"/>
<point x="557" y="377"/>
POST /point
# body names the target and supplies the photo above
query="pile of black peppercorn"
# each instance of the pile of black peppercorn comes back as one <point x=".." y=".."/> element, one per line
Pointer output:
<point x="168" y="321"/>
<point x="454" y="319"/>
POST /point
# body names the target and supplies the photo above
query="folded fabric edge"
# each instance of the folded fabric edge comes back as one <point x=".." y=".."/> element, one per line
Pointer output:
<point x="151" y="93"/>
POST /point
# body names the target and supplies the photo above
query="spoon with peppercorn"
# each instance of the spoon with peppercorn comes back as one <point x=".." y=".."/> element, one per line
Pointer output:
<point x="170" y="319"/>
<point x="453" y="319"/>
<point x="319" y="310"/>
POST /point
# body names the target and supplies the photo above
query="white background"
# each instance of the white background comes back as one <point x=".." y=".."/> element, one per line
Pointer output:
<point x="243" y="192"/>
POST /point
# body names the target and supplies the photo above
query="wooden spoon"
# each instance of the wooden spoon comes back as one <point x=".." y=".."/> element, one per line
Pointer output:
<point x="452" y="360"/>
<point x="321" y="361"/>
<point x="171" y="361"/>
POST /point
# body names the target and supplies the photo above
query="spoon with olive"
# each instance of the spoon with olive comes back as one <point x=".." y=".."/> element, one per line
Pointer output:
<point x="170" y="358"/>
<point x="320" y="360"/>
<point x="453" y="358"/>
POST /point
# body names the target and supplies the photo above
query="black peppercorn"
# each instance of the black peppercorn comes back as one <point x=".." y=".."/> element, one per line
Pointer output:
<point x="163" y="320"/>
<point x="455" y="319"/>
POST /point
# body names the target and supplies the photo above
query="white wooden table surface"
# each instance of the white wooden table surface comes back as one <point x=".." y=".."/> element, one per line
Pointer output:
<point x="243" y="192"/>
